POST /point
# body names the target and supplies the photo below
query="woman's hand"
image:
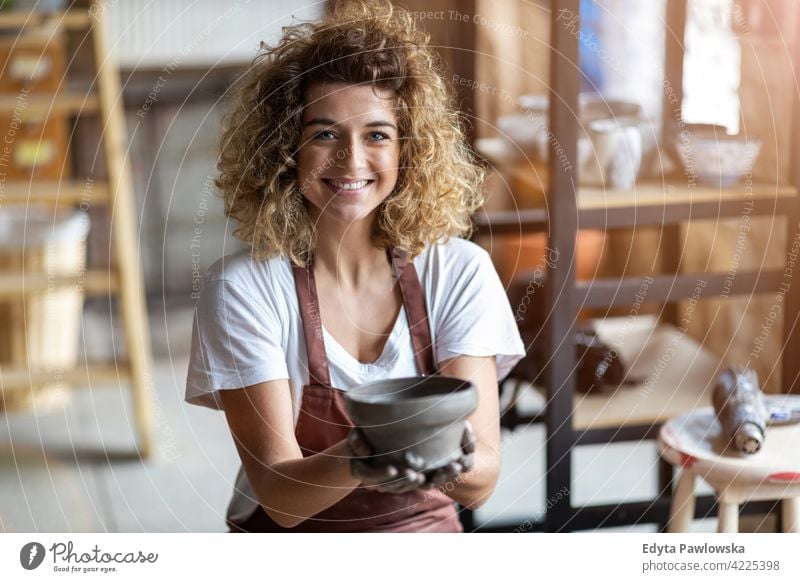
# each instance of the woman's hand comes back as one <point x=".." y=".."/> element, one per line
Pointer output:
<point x="389" y="478"/>
<point x="463" y="464"/>
<point x="383" y="477"/>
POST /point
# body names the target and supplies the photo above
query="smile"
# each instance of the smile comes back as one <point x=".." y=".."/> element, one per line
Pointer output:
<point x="347" y="186"/>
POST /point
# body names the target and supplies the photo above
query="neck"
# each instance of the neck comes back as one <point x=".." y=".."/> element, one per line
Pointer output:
<point x="346" y="254"/>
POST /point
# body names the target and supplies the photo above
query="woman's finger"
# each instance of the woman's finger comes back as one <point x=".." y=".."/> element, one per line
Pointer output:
<point x="452" y="470"/>
<point x="371" y="474"/>
<point x="357" y="444"/>
<point x="414" y="461"/>
<point x="468" y="461"/>
<point x="408" y="480"/>
<point x="439" y="477"/>
<point x="468" y="439"/>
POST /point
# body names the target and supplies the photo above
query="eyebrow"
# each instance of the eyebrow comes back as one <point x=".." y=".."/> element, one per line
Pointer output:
<point x="326" y="121"/>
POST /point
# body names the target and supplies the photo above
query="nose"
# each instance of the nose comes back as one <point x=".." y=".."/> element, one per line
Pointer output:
<point x="352" y="156"/>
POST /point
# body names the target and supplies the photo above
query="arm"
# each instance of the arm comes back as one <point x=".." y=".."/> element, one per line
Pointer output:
<point x="289" y="487"/>
<point x="473" y="488"/>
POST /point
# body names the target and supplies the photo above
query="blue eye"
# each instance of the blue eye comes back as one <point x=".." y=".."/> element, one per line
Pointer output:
<point x="378" y="136"/>
<point x="324" y="134"/>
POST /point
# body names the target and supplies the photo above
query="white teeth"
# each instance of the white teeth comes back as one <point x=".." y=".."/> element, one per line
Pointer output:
<point x="349" y="185"/>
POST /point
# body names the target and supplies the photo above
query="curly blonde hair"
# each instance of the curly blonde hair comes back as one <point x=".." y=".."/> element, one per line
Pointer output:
<point x="439" y="184"/>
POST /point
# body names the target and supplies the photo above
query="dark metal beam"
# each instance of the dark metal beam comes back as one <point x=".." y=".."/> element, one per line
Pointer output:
<point x="790" y="363"/>
<point x="565" y="76"/>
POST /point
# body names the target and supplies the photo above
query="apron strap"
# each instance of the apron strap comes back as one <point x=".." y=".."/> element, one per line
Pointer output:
<point x="414" y="302"/>
<point x="318" y="371"/>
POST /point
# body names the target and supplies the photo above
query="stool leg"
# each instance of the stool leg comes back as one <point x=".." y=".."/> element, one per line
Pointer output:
<point x="728" y="519"/>
<point x="682" y="510"/>
<point x="790" y="513"/>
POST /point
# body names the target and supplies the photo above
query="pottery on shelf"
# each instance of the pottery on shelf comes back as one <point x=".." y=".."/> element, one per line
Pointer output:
<point x="526" y="132"/>
<point x="422" y="414"/>
<point x="714" y="157"/>
<point x="609" y="137"/>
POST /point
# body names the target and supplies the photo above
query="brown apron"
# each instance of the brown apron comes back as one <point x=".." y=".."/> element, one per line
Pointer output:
<point x="323" y="422"/>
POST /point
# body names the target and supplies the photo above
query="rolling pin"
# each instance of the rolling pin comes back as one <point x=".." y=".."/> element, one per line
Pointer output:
<point x="741" y="410"/>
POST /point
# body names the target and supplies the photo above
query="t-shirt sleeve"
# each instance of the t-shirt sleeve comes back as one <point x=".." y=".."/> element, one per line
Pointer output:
<point x="476" y="317"/>
<point x="236" y="342"/>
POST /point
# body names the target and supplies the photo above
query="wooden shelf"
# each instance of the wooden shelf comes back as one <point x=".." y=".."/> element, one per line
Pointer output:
<point x="648" y="193"/>
<point x="40" y="105"/>
<point x="69" y="19"/>
<point x="14" y="285"/>
<point x="646" y="204"/>
<point x="623" y="291"/>
<point x="66" y="192"/>
<point x="673" y="373"/>
<point x="665" y="194"/>
<point x="90" y="84"/>
<point x="91" y="375"/>
<point x="665" y="391"/>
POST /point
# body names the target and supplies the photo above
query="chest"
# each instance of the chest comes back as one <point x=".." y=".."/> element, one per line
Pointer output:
<point x="361" y="324"/>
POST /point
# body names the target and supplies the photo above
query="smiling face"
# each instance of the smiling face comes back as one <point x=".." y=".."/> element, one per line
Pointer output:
<point x="349" y="152"/>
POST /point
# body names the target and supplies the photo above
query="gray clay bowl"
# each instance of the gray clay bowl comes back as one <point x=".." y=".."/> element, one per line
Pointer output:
<point x="422" y="414"/>
<point x="715" y="158"/>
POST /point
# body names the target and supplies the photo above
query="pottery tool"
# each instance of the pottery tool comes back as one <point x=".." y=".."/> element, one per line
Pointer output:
<point x="741" y="410"/>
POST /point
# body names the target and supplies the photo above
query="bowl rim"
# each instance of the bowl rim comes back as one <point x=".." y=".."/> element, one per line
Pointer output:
<point x="460" y="387"/>
<point x="692" y="139"/>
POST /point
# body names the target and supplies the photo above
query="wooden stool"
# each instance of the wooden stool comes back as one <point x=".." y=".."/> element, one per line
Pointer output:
<point x="694" y="442"/>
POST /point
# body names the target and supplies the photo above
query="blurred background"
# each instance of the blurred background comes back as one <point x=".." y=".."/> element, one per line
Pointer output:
<point x="86" y="292"/>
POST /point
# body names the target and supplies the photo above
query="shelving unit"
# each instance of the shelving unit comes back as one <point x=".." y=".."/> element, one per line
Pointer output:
<point x="644" y="205"/>
<point x="560" y="209"/>
<point x="91" y="92"/>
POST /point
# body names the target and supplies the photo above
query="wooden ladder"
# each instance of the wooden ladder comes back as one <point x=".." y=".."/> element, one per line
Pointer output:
<point x="123" y="280"/>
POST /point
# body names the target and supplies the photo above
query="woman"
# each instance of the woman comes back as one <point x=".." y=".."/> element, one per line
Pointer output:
<point x="345" y="166"/>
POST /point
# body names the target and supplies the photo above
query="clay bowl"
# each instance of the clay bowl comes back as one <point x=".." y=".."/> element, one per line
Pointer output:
<point x="716" y="158"/>
<point x="423" y="415"/>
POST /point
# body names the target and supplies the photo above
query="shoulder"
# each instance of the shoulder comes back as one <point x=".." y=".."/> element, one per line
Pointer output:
<point x="241" y="268"/>
<point x="453" y="255"/>
<point x="263" y="282"/>
<point x="452" y="251"/>
<point x="242" y="264"/>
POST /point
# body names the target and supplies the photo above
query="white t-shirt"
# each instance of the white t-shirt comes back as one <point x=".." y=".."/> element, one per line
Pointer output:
<point x="248" y="330"/>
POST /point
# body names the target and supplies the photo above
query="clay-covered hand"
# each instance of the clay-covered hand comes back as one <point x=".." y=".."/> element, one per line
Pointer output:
<point x="383" y="477"/>
<point x="464" y="463"/>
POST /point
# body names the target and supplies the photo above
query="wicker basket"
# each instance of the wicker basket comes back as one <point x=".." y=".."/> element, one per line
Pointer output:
<point x="40" y="330"/>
